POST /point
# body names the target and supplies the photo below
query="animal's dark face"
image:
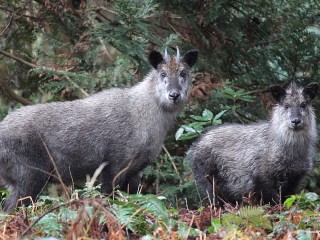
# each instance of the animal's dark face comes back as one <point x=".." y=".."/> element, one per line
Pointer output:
<point x="173" y="77"/>
<point x="294" y="105"/>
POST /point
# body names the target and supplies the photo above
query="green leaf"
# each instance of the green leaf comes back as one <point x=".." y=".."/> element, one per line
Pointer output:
<point x="311" y="196"/>
<point x="188" y="128"/>
<point x="219" y="114"/>
<point x="215" y="225"/>
<point x="216" y="120"/>
<point x="289" y="201"/>
<point x="207" y="115"/>
<point x="304" y="235"/>
<point x="198" y="118"/>
<point x="182" y="230"/>
<point x="179" y="133"/>
<point x="188" y="136"/>
<point x="238" y="95"/>
<point x="197" y="125"/>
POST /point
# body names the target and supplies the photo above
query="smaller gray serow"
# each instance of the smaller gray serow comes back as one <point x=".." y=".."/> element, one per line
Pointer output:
<point x="123" y="127"/>
<point x="267" y="160"/>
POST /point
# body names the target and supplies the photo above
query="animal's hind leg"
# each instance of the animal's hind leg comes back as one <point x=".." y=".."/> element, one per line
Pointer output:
<point x="204" y="180"/>
<point x="132" y="182"/>
<point x="11" y="201"/>
<point x="29" y="184"/>
<point x="109" y="181"/>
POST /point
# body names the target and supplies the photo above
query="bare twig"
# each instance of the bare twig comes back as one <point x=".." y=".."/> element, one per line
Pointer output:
<point x="178" y="33"/>
<point x="171" y="160"/>
<point x="55" y="167"/>
<point x="39" y="169"/>
<point x="8" y="91"/>
<point x="113" y="224"/>
<point x="121" y="172"/>
<point x="24" y="101"/>
<point x="24" y="198"/>
<point x="129" y="219"/>
<point x="8" y="25"/>
<point x="95" y="175"/>
<point x="19" y="14"/>
<point x="190" y="225"/>
<point x="5" y="86"/>
<point x="104" y="48"/>
<point x="77" y="86"/>
<point x="9" y="55"/>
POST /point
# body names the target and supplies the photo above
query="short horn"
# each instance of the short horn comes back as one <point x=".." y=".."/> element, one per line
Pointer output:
<point x="166" y="56"/>
<point x="178" y="55"/>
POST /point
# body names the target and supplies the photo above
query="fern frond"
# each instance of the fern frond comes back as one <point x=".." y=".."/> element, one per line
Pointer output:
<point x="248" y="216"/>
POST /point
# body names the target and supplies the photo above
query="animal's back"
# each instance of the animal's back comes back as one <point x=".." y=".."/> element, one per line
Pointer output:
<point x="76" y="133"/>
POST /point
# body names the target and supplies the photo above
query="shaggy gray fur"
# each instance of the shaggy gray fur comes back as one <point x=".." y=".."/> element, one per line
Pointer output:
<point x="263" y="157"/>
<point x="122" y="127"/>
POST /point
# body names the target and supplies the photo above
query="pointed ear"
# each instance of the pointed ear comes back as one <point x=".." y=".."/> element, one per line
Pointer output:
<point x="310" y="91"/>
<point x="278" y="93"/>
<point x="191" y="57"/>
<point x="155" y="58"/>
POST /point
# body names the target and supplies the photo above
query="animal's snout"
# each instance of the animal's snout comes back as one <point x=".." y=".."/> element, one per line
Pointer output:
<point x="174" y="95"/>
<point x="296" y="121"/>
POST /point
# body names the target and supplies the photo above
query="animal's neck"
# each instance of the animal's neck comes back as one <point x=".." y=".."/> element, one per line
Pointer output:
<point x="296" y="142"/>
<point x="282" y="134"/>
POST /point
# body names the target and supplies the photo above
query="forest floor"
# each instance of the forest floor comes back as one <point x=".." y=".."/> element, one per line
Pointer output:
<point x="91" y="216"/>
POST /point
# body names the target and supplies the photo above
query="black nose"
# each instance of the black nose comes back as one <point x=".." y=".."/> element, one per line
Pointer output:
<point x="174" y="95"/>
<point x="296" y="121"/>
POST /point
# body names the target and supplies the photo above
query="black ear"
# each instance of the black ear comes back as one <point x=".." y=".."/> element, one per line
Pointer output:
<point x="278" y="93"/>
<point x="155" y="58"/>
<point x="310" y="91"/>
<point x="191" y="57"/>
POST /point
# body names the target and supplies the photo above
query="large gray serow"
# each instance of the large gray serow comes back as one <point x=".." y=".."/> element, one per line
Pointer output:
<point x="265" y="158"/>
<point x="122" y="127"/>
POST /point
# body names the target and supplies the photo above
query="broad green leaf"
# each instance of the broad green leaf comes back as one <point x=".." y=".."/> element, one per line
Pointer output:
<point x="311" y="196"/>
<point x="188" y="136"/>
<point x="198" y="118"/>
<point x="216" y="120"/>
<point x="208" y="115"/>
<point x="289" y="201"/>
<point x="179" y="133"/>
<point x="187" y="128"/>
<point x="219" y="114"/>
<point x="182" y="230"/>
<point x="215" y="225"/>
<point x="197" y="125"/>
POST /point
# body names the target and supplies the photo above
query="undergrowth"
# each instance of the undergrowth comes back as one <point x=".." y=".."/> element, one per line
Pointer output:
<point x="90" y="215"/>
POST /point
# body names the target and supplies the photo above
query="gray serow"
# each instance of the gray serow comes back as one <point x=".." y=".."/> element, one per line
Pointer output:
<point x="263" y="159"/>
<point x="123" y="127"/>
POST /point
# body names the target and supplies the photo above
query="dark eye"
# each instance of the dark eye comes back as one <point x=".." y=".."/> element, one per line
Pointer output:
<point x="303" y="105"/>
<point x="183" y="74"/>
<point x="163" y="75"/>
<point x="286" y="106"/>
